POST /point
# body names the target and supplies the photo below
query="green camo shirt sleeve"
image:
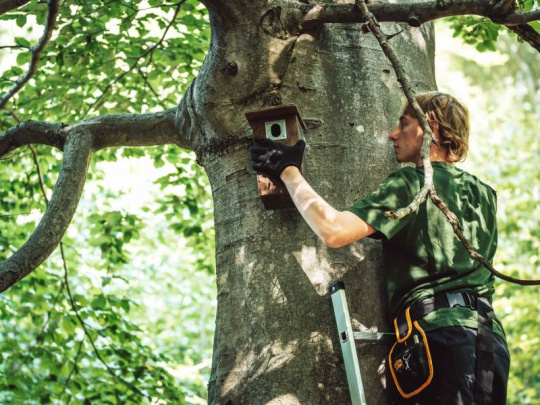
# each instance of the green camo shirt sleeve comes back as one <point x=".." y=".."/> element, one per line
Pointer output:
<point x="391" y="195"/>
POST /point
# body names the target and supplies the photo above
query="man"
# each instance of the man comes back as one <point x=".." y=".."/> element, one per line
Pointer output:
<point x="451" y="349"/>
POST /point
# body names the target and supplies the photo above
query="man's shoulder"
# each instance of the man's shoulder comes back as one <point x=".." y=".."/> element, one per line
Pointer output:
<point x="409" y="174"/>
<point x="474" y="180"/>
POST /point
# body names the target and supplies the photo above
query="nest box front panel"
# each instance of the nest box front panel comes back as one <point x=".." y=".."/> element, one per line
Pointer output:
<point x="281" y="124"/>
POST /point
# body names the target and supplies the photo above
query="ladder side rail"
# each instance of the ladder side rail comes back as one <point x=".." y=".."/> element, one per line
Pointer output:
<point x="348" y="347"/>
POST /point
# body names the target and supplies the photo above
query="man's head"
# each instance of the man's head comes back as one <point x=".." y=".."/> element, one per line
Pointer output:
<point x="449" y="119"/>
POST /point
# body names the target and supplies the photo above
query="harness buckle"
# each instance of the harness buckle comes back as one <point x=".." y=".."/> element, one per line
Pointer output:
<point x="459" y="299"/>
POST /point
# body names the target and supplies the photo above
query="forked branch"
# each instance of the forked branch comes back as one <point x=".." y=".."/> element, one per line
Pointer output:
<point x="453" y="220"/>
<point x="528" y="34"/>
<point x="32" y="132"/>
<point x="78" y="142"/>
<point x="415" y="13"/>
<point x="53" y="225"/>
<point x="429" y="137"/>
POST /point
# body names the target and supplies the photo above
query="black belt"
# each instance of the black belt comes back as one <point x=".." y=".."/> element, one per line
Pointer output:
<point x="484" y="355"/>
<point x="445" y="300"/>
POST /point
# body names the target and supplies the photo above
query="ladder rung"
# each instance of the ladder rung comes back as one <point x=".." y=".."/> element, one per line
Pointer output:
<point x="382" y="338"/>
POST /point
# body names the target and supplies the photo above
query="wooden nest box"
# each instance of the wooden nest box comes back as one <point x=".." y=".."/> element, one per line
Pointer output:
<point x="282" y="124"/>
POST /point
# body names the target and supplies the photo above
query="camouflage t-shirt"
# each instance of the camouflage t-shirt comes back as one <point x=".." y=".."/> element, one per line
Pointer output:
<point x="422" y="254"/>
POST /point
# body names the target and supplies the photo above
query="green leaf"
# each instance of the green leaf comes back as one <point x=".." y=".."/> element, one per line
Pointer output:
<point x="22" y="41"/>
<point x="21" y="20"/>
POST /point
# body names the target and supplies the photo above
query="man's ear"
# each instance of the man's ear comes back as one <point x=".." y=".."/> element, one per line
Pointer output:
<point x="434" y="125"/>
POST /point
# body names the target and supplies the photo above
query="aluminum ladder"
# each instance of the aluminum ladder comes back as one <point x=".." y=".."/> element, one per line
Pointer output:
<point x="348" y="338"/>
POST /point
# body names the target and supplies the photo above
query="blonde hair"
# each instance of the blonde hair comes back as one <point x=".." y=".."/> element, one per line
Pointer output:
<point x="453" y="119"/>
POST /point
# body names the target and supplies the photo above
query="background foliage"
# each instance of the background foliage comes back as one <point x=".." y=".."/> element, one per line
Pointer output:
<point x="125" y="312"/>
<point x="502" y="89"/>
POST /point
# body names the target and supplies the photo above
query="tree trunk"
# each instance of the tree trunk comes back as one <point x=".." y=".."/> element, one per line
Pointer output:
<point x="276" y="338"/>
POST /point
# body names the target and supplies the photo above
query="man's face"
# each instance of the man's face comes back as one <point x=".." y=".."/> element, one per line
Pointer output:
<point x="407" y="140"/>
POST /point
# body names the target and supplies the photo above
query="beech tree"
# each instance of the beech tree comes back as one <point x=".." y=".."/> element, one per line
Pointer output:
<point x="275" y="336"/>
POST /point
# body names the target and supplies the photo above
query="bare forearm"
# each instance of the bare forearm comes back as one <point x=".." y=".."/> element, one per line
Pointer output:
<point x="335" y="228"/>
<point x="318" y="214"/>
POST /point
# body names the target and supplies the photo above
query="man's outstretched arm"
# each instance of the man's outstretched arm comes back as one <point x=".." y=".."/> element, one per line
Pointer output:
<point x="335" y="228"/>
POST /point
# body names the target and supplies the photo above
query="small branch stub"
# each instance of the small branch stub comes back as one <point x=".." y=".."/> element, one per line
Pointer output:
<point x="414" y="21"/>
<point x="231" y="68"/>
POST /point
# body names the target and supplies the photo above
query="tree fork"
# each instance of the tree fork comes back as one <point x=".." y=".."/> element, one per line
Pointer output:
<point x="416" y="12"/>
<point x="55" y="221"/>
<point x="79" y="142"/>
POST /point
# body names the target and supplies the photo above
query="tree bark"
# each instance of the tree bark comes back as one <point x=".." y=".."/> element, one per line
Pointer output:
<point x="276" y="339"/>
<point x="8" y="5"/>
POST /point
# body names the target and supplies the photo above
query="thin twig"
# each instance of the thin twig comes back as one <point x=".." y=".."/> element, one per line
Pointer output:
<point x="15" y="215"/>
<point x="429" y="137"/>
<point x="15" y="47"/>
<point x="72" y="300"/>
<point x="87" y="333"/>
<point x="40" y="176"/>
<point x="74" y="365"/>
<point x="453" y="220"/>
<point x="49" y="313"/>
<point x="36" y="53"/>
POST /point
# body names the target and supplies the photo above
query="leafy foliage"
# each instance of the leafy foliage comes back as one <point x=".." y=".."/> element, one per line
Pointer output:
<point x="127" y="56"/>
<point x="505" y="151"/>
<point x="482" y="33"/>
<point x="77" y="330"/>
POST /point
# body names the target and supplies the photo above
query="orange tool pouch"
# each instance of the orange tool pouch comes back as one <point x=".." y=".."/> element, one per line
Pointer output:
<point x="409" y="359"/>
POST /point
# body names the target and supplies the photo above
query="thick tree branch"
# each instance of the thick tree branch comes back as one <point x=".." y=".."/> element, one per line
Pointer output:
<point x="107" y="131"/>
<point x="36" y="53"/>
<point x="519" y="17"/>
<point x="528" y="34"/>
<point x="32" y="132"/>
<point x="504" y="7"/>
<point x="78" y="142"/>
<point x="413" y="13"/>
<point x="53" y="225"/>
<point x="8" y="5"/>
<point x="134" y="130"/>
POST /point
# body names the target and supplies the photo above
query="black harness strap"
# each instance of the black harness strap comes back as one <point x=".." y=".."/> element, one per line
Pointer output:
<point x="484" y="353"/>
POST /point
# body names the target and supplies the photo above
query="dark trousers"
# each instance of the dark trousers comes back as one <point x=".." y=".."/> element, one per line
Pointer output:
<point x="453" y="352"/>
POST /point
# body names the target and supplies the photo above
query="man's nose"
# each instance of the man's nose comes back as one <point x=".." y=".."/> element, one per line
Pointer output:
<point x="393" y="134"/>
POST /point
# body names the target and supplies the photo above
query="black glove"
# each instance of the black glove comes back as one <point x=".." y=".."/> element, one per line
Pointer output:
<point x="271" y="158"/>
